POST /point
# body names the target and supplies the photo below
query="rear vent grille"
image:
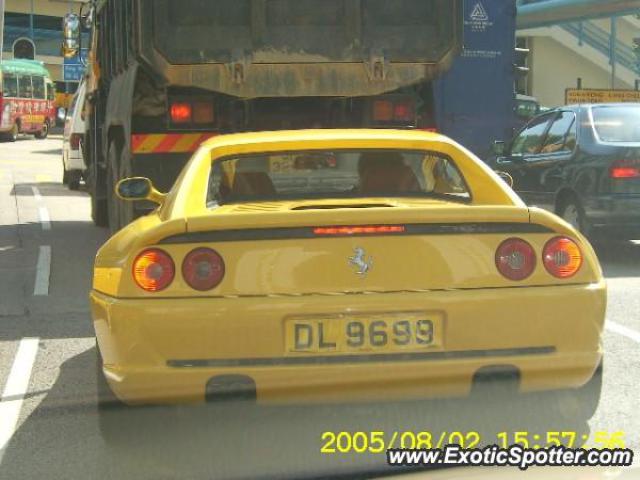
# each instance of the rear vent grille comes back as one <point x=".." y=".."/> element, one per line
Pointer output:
<point x="336" y="207"/>
<point x="258" y="207"/>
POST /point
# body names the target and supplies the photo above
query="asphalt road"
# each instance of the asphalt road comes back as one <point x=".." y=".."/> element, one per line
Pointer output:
<point x="48" y="421"/>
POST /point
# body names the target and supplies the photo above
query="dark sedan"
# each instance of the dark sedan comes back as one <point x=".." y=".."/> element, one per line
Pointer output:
<point x="583" y="163"/>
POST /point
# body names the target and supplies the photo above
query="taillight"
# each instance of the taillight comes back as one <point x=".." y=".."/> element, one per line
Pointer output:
<point x="74" y="141"/>
<point x="203" y="269"/>
<point x="203" y="113"/>
<point x="625" y="169"/>
<point x="358" y="230"/>
<point x="153" y="270"/>
<point x="403" y="111"/>
<point x="562" y="257"/>
<point x="394" y="110"/>
<point x="515" y="259"/>
<point x="181" y="112"/>
<point x="383" y="110"/>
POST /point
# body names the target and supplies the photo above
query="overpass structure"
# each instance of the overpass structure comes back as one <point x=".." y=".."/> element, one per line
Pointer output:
<point x="596" y="36"/>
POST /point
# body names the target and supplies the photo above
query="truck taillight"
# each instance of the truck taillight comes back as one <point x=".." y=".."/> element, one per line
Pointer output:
<point x="181" y="112"/>
<point x="625" y="169"/>
<point x="383" y="110"/>
<point x="203" y="269"/>
<point x="153" y="270"/>
<point x="403" y="111"/>
<point x="394" y="110"/>
<point x="562" y="257"/>
<point x="515" y="259"/>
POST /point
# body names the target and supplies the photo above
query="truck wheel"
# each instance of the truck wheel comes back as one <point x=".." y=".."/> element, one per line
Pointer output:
<point x="113" y="202"/>
<point x="73" y="181"/>
<point x="44" y="133"/>
<point x="98" y="205"/>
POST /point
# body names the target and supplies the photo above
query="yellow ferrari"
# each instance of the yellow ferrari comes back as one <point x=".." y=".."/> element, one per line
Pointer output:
<point x="340" y="265"/>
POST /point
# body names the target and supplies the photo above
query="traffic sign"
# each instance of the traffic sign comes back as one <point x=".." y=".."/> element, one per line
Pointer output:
<point x="73" y="68"/>
<point x="592" y="95"/>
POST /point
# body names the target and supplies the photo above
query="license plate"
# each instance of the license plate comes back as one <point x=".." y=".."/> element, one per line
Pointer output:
<point x="364" y="334"/>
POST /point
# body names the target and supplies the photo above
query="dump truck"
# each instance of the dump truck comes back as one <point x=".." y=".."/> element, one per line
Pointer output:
<point x="165" y="75"/>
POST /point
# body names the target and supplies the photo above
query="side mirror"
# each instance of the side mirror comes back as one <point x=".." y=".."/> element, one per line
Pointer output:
<point x="138" y="188"/>
<point x="87" y="20"/>
<point x="499" y="148"/>
<point x="508" y="179"/>
<point x="71" y="35"/>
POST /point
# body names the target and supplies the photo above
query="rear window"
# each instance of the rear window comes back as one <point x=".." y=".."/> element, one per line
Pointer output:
<point x="335" y="174"/>
<point x="617" y="124"/>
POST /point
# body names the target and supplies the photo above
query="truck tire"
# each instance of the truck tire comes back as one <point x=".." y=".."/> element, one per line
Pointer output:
<point x="121" y="213"/>
<point x="112" y="180"/>
<point x="98" y="205"/>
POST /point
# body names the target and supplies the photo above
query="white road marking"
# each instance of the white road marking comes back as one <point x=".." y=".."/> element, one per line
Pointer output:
<point x="15" y="389"/>
<point x="45" y="220"/>
<point x="43" y="271"/>
<point x="36" y="194"/>
<point x="622" y="330"/>
<point x="43" y="213"/>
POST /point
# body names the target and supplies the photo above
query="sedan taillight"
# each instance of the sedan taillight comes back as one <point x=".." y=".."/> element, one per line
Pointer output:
<point x="153" y="270"/>
<point x="625" y="169"/>
<point x="203" y="269"/>
<point x="515" y="259"/>
<point x="562" y="257"/>
<point x="74" y="141"/>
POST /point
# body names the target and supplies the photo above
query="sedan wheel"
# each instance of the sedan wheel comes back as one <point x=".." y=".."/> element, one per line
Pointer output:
<point x="572" y="214"/>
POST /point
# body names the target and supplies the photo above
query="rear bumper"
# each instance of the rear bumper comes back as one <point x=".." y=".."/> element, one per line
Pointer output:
<point x="166" y="351"/>
<point x="72" y="159"/>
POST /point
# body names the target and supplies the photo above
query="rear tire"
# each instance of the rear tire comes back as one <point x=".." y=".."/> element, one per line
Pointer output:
<point x="99" y="213"/>
<point x="573" y="213"/>
<point x="107" y="404"/>
<point x="577" y="405"/>
<point x="12" y="135"/>
<point x="113" y="203"/>
<point x="74" y="180"/>
<point x="44" y="133"/>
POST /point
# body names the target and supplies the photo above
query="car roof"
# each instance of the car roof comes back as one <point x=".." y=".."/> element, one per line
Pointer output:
<point x="330" y="135"/>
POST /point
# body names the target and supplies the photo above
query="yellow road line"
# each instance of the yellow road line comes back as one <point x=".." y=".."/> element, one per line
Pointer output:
<point x="43" y="178"/>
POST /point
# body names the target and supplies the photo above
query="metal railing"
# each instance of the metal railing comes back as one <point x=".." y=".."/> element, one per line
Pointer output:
<point x="590" y="34"/>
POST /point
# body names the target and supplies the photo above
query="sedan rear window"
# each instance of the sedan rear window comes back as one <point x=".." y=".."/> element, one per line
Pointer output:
<point x="617" y="123"/>
<point x="335" y="174"/>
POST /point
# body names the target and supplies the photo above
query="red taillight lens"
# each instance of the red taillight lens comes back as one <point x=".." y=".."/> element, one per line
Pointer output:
<point x="153" y="270"/>
<point x="383" y="110"/>
<point x="203" y="269"/>
<point x="203" y="112"/>
<point x="562" y="257"/>
<point x="181" y="112"/>
<point x="358" y="230"/>
<point x="625" y="169"/>
<point x="403" y="111"/>
<point x="74" y="141"/>
<point x="515" y="259"/>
